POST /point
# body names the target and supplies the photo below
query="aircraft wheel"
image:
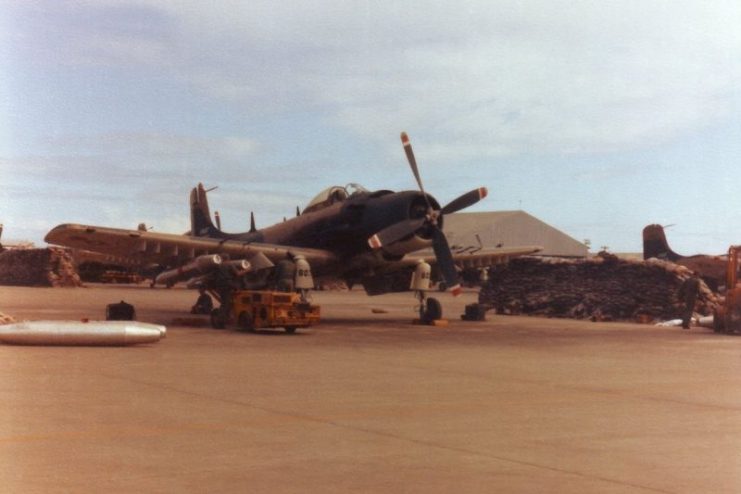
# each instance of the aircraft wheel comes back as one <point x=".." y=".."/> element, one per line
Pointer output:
<point x="432" y="310"/>
<point x="245" y="322"/>
<point x="290" y="329"/>
<point x="218" y="321"/>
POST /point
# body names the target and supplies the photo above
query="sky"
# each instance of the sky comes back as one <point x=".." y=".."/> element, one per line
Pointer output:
<point x="597" y="117"/>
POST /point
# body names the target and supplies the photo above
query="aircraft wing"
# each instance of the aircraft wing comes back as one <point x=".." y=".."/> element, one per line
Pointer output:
<point x="146" y="247"/>
<point x="480" y="259"/>
<point x="489" y="257"/>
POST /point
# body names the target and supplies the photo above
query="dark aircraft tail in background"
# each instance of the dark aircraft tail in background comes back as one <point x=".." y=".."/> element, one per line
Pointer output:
<point x="200" y="215"/>
<point x="712" y="269"/>
<point x="655" y="244"/>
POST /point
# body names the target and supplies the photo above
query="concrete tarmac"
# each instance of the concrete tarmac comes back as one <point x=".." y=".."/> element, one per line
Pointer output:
<point x="367" y="402"/>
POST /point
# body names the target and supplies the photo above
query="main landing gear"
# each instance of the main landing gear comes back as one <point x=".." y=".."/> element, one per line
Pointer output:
<point x="430" y="310"/>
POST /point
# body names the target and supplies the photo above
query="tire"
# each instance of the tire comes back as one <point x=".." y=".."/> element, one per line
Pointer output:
<point x="245" y="322"/>
<point x="290" y="329"/>
<point x="218" y="321"/>
<point x="432" y="311"/>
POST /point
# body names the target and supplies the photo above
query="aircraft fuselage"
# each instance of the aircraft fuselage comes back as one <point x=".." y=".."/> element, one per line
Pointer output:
<point x="344" y="227"/>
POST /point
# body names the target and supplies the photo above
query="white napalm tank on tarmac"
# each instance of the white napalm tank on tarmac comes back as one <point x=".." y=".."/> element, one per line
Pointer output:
<point x="81" y="333"/>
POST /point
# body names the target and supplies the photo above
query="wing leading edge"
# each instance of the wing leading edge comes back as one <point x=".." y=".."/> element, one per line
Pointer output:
<point x="146" y="247"/>
<point x="481" y="259"/>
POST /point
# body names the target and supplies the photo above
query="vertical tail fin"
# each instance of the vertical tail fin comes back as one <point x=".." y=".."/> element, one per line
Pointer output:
<point x="200" y="215"/>
<point x="655" y="244"/>
<point x="252" y="222"/>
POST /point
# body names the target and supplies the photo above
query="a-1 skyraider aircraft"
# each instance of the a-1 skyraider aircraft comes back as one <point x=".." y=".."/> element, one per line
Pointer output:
<point x="345" y="233"/>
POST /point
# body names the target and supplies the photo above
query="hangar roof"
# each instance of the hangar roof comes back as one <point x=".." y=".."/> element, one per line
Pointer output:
<point x="509" y="228"/>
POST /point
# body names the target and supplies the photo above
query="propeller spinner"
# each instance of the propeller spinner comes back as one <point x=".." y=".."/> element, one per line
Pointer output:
<point x="440" y="245"/>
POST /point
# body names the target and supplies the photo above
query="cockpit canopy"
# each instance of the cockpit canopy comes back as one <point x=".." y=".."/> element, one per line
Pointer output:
<point x="333" y="194"/>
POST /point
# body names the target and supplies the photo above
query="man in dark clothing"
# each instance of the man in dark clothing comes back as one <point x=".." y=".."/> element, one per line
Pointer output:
<point x="285" y="273"/>
<point x="204" y="304"/>
<point x="688" y="292"/>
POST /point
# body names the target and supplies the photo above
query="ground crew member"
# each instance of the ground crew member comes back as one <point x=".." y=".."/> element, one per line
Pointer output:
<point x="204" y="304"/>
<point x="225" y="284"/>
<point x="285" y="273"/>
<point x="688" y="292"/>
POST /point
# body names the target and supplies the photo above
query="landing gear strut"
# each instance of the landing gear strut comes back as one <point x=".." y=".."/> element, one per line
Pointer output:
<point x="430" y="310"/>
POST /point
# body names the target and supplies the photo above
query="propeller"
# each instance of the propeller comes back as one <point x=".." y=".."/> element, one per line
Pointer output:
<point x="440" y="245"/>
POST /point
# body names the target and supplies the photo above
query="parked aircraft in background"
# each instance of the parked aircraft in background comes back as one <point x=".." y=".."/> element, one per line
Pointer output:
<point x="346" y="233"/>
<point x="712" y="269"/>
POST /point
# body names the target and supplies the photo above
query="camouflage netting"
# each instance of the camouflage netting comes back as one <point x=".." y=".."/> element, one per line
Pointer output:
<point x="38" y="267"/>
<point x="598" y="289"/>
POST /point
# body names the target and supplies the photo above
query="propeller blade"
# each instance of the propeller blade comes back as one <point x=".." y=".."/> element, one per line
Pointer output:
<point x="413" y="164"/>
<point x="445" y="261"/>
<point x="464" y="201"/>
<point x="411" y="159"/>
<point x="395" y="232"/>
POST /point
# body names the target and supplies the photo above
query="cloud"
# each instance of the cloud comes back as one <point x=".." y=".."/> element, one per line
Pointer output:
<point x="123" y="179"/>
<point x="162" y="145"/>
<point x="121" y="158"/>
<point x="546" y="83"/>
<point x="487" y="78"/>
<point x="501" y="78"/>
